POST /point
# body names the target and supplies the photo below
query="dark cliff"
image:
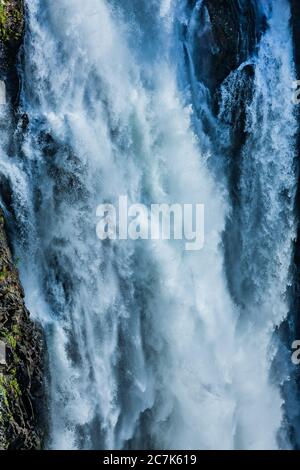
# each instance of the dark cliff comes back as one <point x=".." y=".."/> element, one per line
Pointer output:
<point x="21" y="345"/>
<point x="230" y="37"/>
<point x="225" y="42"/>
<point x="290" y="330"/>
<point x="11" y="33"/>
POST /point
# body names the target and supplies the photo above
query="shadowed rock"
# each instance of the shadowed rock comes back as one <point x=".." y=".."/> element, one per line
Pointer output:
<point x="230" y="36"/>
<point x="21" y="345"/>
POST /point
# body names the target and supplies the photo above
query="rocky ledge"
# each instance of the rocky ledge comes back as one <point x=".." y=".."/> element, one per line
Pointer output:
<point x="11" y="34"/>
<point x="226" y="35"/>
<point x="20" y="359"/>
<point x="21" y="344"/>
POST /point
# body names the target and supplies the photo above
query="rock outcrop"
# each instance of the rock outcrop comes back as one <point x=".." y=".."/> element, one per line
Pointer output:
<point x="290" y="329"/>
<point x="21" y="344"/>
<point x="20" y="371"/>
<point x="225" y="41"/>
<point x="230" y="31"/>
<point x="295" y="21"/>
<point x="11" y="33"/>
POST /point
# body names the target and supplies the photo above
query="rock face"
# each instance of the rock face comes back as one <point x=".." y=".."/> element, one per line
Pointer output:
<point x="290" y="330"/>
<point x="11" y="33"/>
<point x="295" y="8"/>
<point x="11" y="21"/>
<point x="226" y="36"/>
<point x="230" y="35"/>
<point x="20" y="372"/>
<point x="295" y="21"/>
<point x="21" y="344"/>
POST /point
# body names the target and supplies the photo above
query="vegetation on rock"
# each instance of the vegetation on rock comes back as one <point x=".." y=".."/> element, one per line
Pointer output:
<point x="21" y="376"/>
<point x="21" y="379"/>
<point x="11" y="20"/>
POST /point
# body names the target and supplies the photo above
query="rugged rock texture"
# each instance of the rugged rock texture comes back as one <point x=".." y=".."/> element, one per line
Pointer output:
<point x="231" y="33"/>
<point x="11" y="20"/>
<point x="11" y="33"/>
<point x="224" y="35"/>
<point x="21" y="377"/>
<point x="21" y="344"/>
<point x="295" y="22"/>
<point x="295" y="8"/>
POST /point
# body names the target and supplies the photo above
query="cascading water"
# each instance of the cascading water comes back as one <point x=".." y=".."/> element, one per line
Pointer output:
<point x="150" y="345"/>
<point x="266" y="185"/>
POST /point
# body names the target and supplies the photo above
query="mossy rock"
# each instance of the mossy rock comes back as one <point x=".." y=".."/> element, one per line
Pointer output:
<point x="11" y="20"/>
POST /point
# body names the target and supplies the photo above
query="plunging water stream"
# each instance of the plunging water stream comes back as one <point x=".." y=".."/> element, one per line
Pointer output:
<point x="150" y="345"/>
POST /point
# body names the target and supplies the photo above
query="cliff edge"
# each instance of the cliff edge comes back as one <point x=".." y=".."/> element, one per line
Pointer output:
<point x="21" y="344"/>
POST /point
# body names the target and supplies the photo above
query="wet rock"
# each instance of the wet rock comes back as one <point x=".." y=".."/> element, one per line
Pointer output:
<point x="11" y="34"/>
<point x="227" y="34"/>
<point x="21" y="376"/>
<point x="11" y="21"/>
<point x="295" y="21"/>
<point x="290" y="329"/>
<point x="21" y="341"/>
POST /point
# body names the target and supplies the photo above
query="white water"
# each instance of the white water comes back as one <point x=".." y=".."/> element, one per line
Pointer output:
<point x="267" y="191"/>
<point x="146" y="347"/>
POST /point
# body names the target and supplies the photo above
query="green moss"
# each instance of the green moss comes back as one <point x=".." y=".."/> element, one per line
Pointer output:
<point x="11" y="21"/>
<point x="8" y="386"/>
<point x="16" y="330"/>
<point x="11" y="340"/>
<point x="4" y="273"/>
<point x="15" y="388"/>
<point x="3" y="391"/>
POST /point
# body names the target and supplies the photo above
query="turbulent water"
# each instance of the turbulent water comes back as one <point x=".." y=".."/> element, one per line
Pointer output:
<point x="149" y="345"/>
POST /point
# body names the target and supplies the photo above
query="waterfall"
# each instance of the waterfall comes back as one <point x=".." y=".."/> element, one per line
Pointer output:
<point x="261" y="259"/>
<point x="149" y="345"/>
